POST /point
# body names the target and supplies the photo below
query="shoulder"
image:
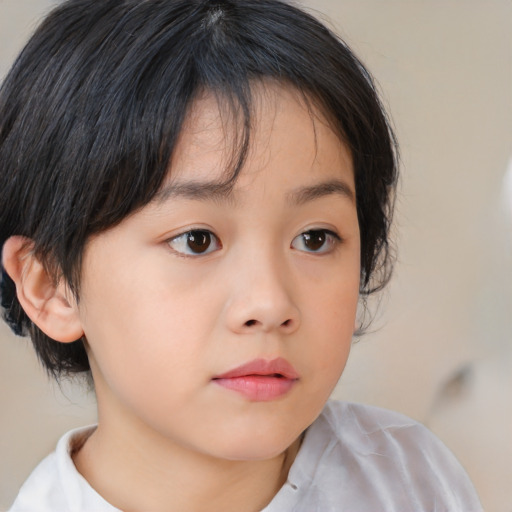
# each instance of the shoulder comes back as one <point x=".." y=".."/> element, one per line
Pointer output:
<point x="42" y="490"/>
<point x="375" y="427"/>
<point x="391" y="435"/>
<point x="368" y="418"/>
<point x="370" y="456"/>
<point x="55" y="484"/>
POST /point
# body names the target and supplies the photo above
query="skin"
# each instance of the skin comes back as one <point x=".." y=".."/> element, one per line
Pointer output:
<point x="161" y="321"/>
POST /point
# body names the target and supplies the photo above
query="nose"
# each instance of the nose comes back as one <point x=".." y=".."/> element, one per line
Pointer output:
<point x="262" y="299"/>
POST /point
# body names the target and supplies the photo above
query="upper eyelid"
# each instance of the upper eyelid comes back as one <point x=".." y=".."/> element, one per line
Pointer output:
<point x="189" y="229"/>
<point x="192" y="255"/>
<point x="330" y="231"/>
<point x="338" y="240"/>
<point x="327" y="230"/>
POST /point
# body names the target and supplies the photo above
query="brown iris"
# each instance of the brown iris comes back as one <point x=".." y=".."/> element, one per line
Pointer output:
<point x="314" y="240"/>
<point x="199" y="241"/>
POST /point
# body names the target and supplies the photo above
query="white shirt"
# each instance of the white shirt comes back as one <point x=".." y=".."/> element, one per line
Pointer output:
<point x="354" y="458"/>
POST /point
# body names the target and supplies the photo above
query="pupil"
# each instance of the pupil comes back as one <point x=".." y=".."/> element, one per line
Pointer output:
<point x="314" y="240"/>
<point x="199" y="241"/>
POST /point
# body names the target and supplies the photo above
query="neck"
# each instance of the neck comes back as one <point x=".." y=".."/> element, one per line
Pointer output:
<point x="136" y="470"/>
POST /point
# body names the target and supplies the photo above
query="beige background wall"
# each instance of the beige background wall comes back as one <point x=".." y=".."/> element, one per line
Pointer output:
<point x="442" y="350"/>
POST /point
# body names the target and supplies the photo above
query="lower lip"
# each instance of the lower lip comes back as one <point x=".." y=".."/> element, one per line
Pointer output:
<point x="258" y="388"/>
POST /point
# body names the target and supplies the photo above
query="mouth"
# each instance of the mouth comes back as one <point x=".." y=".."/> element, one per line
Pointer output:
<point x="260" y="380"/>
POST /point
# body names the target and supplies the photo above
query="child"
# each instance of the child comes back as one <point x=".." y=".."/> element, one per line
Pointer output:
<point x="194" y="197"/>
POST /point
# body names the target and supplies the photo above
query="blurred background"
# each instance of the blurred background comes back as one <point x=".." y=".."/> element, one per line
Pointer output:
<point x="440" y="348"/>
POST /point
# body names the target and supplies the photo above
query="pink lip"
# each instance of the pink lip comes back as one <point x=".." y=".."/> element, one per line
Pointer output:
<point x="260" y="380"/>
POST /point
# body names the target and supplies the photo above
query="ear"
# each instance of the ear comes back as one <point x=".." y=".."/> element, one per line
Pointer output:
<point x="50" y="306"/>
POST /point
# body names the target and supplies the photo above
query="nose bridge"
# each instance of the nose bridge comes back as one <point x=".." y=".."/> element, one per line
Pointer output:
<point x="262" y="295"/>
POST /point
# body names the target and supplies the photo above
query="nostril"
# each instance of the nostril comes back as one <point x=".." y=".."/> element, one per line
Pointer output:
<point x="253" y="322"/>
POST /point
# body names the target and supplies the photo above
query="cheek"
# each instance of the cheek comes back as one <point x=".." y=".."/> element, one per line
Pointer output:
<point x="328" y="324"/>
<point x="141" y="330"/>
<point x="330" y="317"/>
<point x="335" y="325"/>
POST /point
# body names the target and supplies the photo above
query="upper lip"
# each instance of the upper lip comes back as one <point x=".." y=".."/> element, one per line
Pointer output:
<point x="279" y="366"/>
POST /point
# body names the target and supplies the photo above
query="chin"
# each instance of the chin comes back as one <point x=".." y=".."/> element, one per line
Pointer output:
<point x="257" y="447"/>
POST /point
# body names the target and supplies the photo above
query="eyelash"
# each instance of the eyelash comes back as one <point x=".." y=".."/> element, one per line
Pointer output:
<point x="184" y="239"/>
<point x="330" y="237"/>
<point x="205" y="236"/>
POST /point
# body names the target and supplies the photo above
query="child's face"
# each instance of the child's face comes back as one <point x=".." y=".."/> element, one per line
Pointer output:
<point x="165" y="312"/>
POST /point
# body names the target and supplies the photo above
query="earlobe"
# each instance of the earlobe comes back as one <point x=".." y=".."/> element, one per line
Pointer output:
<point x="50" y="306"/>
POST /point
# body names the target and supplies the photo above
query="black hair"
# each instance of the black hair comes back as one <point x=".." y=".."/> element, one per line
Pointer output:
<point x="91" y="111"/>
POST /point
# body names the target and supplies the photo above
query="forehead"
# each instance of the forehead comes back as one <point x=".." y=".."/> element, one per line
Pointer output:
<point x="282" y="125"/>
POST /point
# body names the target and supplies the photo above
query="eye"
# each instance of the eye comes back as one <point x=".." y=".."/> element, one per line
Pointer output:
<point x="195" y="242"/>
<point x="318" y="241"/>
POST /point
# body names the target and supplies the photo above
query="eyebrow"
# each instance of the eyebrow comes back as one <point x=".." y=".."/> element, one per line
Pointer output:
<point x="305" y="194"/>
<point x="223" y="192"/>
<point x="197" y="190"/>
